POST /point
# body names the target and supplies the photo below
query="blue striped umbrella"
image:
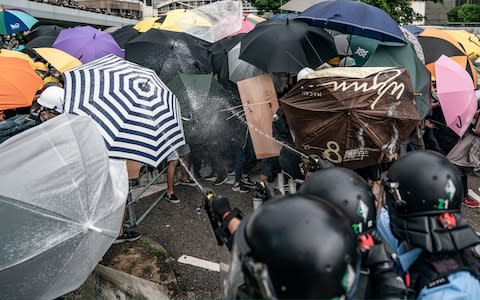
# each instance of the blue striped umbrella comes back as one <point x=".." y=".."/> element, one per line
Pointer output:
<point x="137" y="115"/>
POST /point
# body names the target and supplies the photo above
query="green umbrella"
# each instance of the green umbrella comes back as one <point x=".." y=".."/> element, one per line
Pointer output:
<point x="204" y="103"/>
<point x="404" y="56"/>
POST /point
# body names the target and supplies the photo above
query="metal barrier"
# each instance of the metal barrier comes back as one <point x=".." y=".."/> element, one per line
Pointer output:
<point x="132" y="220"/>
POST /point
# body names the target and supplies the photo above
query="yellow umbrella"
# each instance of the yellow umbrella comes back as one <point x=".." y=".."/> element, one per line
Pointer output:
<point x="147" y="24"/>
<point x="469" y="41"/>
<point x="180" y="20"/>
<point x="58" y="59"/>
<point x="16" y="54"/>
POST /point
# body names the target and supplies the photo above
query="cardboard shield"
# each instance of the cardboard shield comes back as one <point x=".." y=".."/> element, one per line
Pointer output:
<point x="260" y="103"/>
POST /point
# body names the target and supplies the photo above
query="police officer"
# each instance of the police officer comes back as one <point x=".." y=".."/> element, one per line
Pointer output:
<point x="349" y="192"/>
<point x="294" y="247"/>
<point x="436" y="248"/>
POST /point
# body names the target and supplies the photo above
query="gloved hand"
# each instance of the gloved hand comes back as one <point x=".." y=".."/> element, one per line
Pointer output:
<point x="220" y="206"/>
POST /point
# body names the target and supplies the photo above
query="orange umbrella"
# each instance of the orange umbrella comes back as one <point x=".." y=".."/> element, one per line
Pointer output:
<point x="18" y="83"/>
<point x="436" y="43"/>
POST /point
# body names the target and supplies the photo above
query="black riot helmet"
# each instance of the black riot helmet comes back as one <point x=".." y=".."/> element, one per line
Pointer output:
<point x="424" y="192"/>
<point x="346" y="190"/>
<point x="294" y="248"/>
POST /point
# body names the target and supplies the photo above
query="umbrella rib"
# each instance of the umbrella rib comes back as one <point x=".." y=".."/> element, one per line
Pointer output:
<point x="313" y="48"/>
<point x="40" y="211"/>
<point x="38" y="253"/>
<point x="298" y="62"/>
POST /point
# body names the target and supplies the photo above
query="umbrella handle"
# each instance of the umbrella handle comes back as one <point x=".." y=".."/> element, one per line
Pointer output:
<point x="460" y="120"/>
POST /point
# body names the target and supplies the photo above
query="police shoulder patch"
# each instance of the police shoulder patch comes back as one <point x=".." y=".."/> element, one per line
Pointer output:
<point x="438" y="282"/>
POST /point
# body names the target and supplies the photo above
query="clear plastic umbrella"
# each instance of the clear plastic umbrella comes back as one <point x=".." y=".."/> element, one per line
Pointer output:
<point x="61" y="207"/>
<point x="225" y="18"/>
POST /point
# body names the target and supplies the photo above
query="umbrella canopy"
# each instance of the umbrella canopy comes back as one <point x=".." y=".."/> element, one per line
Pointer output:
<point x="353" y="17"/>
<point x="136" y="113"/>
<point x="436" y="43"/>
<point x="61" y="206"/>
<point x="87" y="43"/>
<point x="112" y="29"/>
<point x="247" y="26"/>
<point x="205" y="101"/>
<point x="18" y="83"/>
<point x="59" y="59"/>
<point x="415" y="43"/>
<point x="420" y="77"/>
<point x="456" y="95"/>
<point x="357" y="47"/>
<point x="169" y="53"/>
<point x="218" y="54"/>
<point x="211" y="22"/>
<point x="44" y="30"/>
<point x="147" y="24"/>
<point x="41" y="41"/>
<point x="413" y="29"/>
<point x="179" y="20"/>
<point x="11" y="53"/>
<point x="287" y="46"/>
<point x="15" y="20"/>
<point x="353" y="117"/>
<point x="299" y="5"/>
<point x="469" y="41"/>
<point x="238" y="69"/>
<point x="283" y="17"/>
<point x="125" y="34"/>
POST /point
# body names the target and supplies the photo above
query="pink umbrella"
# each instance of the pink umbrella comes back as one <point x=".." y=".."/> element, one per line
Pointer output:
<point x="247" y="26"/>
<point x="456" y="94"/>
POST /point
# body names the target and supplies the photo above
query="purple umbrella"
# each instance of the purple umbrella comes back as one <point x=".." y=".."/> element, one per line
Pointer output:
<point x="87" y="43"/>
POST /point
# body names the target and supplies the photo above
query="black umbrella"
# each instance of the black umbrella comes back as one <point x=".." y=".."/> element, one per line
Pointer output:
<point x="287" y="46"/>
<point x="169" y="53"/>
<point x="44" y="30"/>
<point x="41" y="41"/>
<point x="124" y="35"/>
<point x="218" y="54"/>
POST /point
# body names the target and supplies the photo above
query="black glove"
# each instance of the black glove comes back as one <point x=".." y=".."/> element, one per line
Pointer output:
<point x="220" y="205"/>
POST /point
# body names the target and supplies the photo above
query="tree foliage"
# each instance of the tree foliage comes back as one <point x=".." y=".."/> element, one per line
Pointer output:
<point x="400" y="10"/>
<point x="469" y="13"/>
<point x="268" y="5"/>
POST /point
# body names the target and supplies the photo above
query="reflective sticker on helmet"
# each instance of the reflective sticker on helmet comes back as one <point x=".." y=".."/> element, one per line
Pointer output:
<point x="442" y="203"/>
<point x="348" y="278"/>
<point x="362" y="211"/>
<point x="450" y="189"/>
<point x="357" y="227"/>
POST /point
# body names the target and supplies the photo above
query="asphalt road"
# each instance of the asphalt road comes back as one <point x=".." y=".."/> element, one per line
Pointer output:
<point x="183" y="230"/>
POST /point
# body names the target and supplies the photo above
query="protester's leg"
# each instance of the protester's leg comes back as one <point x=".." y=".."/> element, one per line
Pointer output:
<point x="172" y="166"/>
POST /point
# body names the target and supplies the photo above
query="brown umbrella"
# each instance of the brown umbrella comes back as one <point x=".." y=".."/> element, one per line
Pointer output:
<point x="353" y="117"/>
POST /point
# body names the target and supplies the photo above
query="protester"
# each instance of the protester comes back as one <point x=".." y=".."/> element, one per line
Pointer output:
<point x="437" y="251"/>
<point x="50" y="102"/>
<point x="172" y="160"/>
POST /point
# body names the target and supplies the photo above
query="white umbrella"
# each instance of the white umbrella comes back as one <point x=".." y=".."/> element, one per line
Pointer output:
<point x="61" y="207"/>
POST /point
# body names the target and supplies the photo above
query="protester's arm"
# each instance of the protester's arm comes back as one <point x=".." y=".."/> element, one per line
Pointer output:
<point x="222" y="209"/>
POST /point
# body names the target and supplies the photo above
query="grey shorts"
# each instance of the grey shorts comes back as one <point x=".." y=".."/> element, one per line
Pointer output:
<point x="181" y="151"/>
